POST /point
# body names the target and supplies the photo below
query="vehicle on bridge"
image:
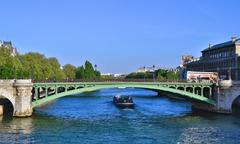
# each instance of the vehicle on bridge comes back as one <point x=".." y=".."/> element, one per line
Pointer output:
<point x="204" y="77"/>
<point x="123" y="101"/>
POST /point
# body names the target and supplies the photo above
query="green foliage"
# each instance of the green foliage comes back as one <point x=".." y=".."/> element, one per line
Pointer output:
<point x="10" y="66"/>
<point x="107" y="77"/>
<point x="70" y="71"/>
<point x="6" y="72"/>
<point x="146" y="75"/>
<point x="97" y="74"/>
<point x="160" y="75"/>
<point x="171" y="75"/>
<point x="87" y="72"/>
<point x="57" y="73"/>
<point x="163" y="75"/>
<point x="36" y="66"/>
<point x="80" y="72"/>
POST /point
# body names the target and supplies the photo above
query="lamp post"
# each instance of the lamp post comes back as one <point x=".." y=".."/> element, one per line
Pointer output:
<point x="95" y="67"/>
<point x="229" y="73"/>
<point x="153" y="72"/>
<point x="144" y="69"/>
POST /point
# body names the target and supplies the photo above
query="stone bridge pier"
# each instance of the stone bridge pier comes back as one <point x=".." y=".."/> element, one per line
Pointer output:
<point x="224" y="93"/>
<point x="19" y="93"/>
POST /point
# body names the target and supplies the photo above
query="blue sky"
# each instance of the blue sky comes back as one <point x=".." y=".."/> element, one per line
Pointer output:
<point x="118" y="35"/>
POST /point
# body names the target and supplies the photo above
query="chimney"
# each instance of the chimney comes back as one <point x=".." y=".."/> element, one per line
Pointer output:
<point x="234" y="39"/>
<point x="209" y="45"/>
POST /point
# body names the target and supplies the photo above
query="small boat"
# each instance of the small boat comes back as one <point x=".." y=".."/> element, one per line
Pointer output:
<point x="123" y="101"/>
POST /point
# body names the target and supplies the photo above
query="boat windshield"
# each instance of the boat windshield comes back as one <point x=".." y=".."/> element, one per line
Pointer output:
<point x="126" y="97"/>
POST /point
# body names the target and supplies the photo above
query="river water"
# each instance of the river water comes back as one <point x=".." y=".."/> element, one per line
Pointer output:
<point x="92" y="118"/>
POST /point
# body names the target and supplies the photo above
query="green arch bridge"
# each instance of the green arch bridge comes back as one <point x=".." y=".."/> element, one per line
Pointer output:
<point x="197" y="92"/>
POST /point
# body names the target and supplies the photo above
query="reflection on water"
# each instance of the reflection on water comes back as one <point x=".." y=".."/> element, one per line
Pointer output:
<point x="200" y="135"/>
<point x="18" y="130"/>
<point x="92" y="118"/>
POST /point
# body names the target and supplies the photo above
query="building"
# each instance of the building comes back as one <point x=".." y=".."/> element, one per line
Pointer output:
<point x="107" y="74"/>
<point x="8" y="45"/>
<point x="186" y="59"/>
<point x="117" y="75"/>
<point x="146" y="69"/>
<point x="223" y="58"/>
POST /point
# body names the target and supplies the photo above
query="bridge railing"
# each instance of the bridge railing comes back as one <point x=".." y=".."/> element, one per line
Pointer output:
<point x="106" y="80"/>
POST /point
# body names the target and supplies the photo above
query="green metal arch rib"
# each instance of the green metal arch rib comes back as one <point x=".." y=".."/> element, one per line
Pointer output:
<point x="95" y="87"/>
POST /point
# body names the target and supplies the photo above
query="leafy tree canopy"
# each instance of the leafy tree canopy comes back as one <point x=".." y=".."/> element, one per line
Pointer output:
<point x="70" y="71"/>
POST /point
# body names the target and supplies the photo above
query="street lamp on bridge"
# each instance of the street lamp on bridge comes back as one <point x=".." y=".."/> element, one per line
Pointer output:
<point x="95" y="67"/>
<point x="154" y="72"/>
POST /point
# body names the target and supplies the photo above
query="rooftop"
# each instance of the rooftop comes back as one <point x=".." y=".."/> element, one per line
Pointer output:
<point x="234" y="40"/>
<point x="8" y="45"/>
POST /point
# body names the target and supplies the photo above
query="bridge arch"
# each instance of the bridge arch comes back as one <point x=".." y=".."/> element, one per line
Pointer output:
<point x="189" y="89"/>
<point x="8" y="94"/>
<point x="40" y="98"/>
<point x="7" y="100"/>
<point x="197" y="90"/>
<point x="180" y="88"/>
<point x="207" y="91"/>
<point x="8" y="107"/>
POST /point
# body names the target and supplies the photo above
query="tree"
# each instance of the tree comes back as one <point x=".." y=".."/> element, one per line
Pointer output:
<point x="98" y="74"/>
<point x="80" y="72"/>
<point x="140" y="75"/>
<point x="57" y="73"/>
<point x="9" y="66"/>
<point x="161" y="74"/>
<point x="89" y="72"/>
<point x="172" y="75"/>
<point x="70" y="71"/>
<point x="37" y="66"/>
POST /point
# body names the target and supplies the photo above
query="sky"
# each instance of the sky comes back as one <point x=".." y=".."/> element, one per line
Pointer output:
<point x="118" y="35"/>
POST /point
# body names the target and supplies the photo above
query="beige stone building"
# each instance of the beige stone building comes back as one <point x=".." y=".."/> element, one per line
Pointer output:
<point x="223" y="58"/>
<point x="8" y="45"/>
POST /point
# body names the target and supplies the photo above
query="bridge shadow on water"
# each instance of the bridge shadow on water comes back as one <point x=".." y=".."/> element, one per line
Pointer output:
<point x="99" y="104"/>
<point x="236" y="107"/>
<point x="236" y="112"/>
<point x="147" y="103"/>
